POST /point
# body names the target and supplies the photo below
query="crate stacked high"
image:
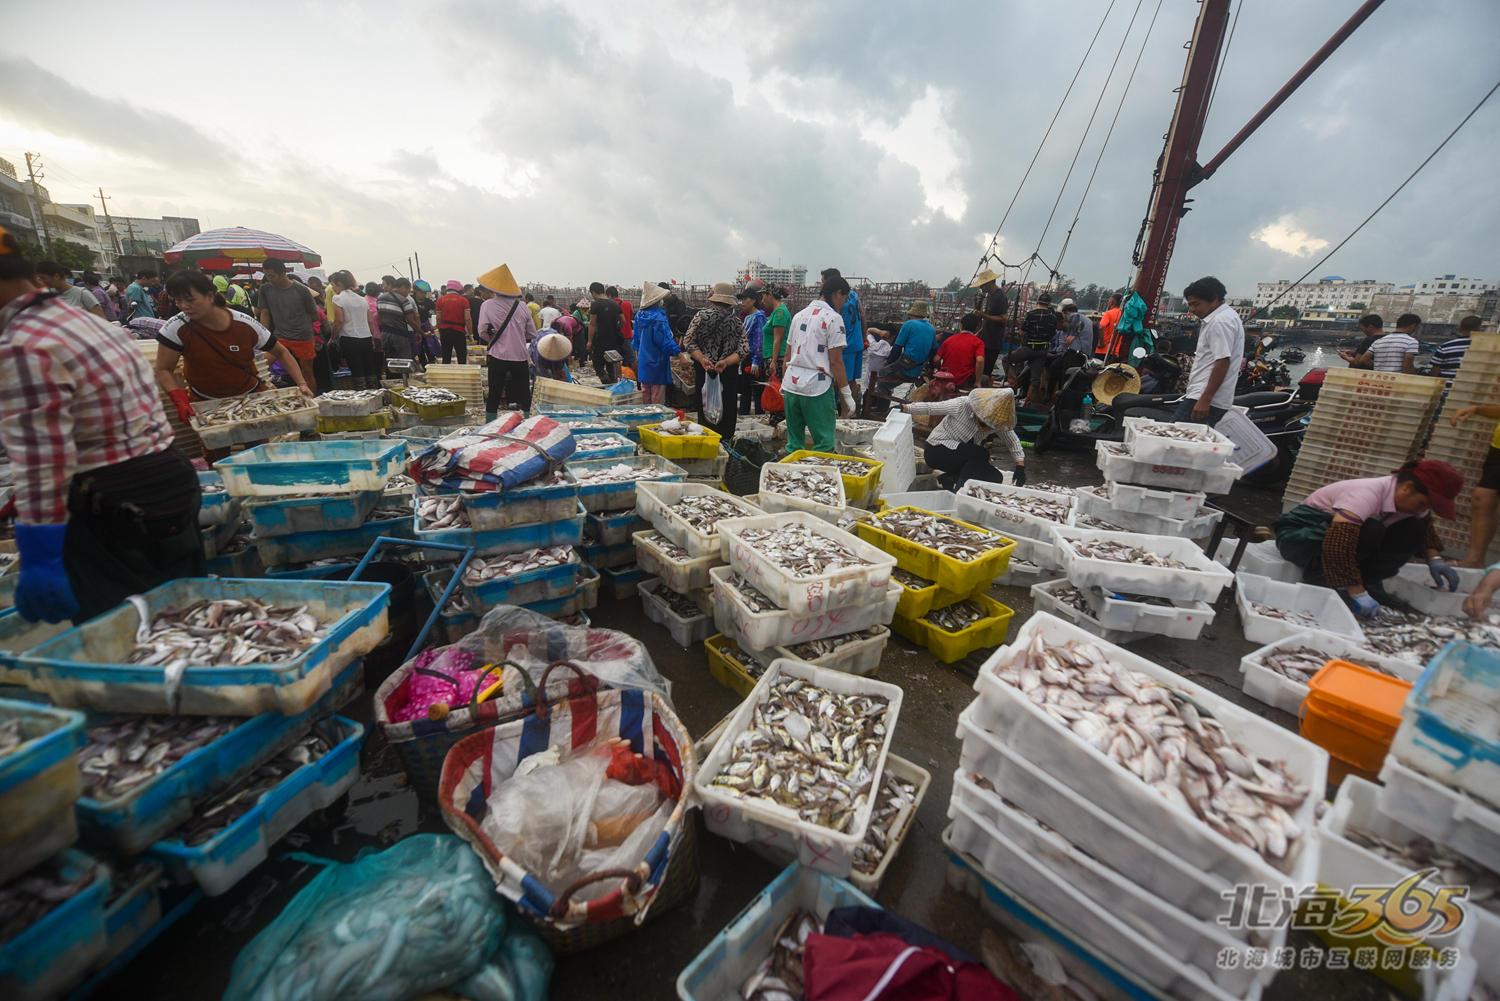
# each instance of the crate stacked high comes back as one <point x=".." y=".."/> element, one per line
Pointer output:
<point x="607" y="495"/>
<point x="1075" y="796"/>
<point x="1364" y="424"/>
<point x="1465" y="447"/>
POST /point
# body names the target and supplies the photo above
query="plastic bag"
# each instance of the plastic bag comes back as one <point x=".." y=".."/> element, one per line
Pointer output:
<point x="393" y="925"/>
<point x="771" y="400"/>
<point x="713" y="397"/>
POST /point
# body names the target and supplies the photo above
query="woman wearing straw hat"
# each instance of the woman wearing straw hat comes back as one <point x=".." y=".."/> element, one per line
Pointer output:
<point x="654" y="344"/>
<point x="716" y="341"/>
<point x="505" y="325"/>
<point x="955" y="447"/>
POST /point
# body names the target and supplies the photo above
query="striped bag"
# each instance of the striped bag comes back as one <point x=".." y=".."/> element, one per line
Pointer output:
<point x="506" y="453"/>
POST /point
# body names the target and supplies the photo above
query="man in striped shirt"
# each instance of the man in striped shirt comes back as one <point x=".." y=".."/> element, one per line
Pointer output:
<point x="1447" y="356"/>
<point x="105" y="506"/>
<point x="1396" y="351"/>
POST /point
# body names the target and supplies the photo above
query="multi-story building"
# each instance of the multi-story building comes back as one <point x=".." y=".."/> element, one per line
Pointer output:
<point x="1454" y="285"/>
<point x="1331" y="292"/>
<point x="1438" y="309"/>
<point x="793" y="275"/>
<point x="15" y="203"/>
<point x="150" y="237"/>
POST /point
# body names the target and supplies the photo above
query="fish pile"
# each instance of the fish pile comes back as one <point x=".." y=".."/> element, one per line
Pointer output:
<point x="425" y="396"/>
<point x="943" y="534"/>
<point x="813" y="649"/>
<point x="1453" y="870"/>
<point x="577" y="426"/>
<point x="1298" y="663"/>
<point x="350" y="395"/>
<point x="800" y="551"/>
<point x="895" y="795"/>
<point x="1177" y="432"/>
<point x="644" y="409"/>
<point x="232" y="631"/>
<point x="703" y="511"/>
<point x="911" y="581"/>
<point x="1163" y="738"/>
<point x="1051" y="487"/>
<point x="857" y="427"/>
<point x="126" y="752"/>
<point x="212" y="487"/>
<point x="483" y="568"/>
<point x="956" y="617"/>
<point x="752" y="596"/>
<point x="620" y="472"/>
<point x="27" y="899"/>
<point x="810" y="750"/>
<point x="400" y="483"/>
<point x="389" y="511"/>
<point x="239" y="799"/>
<point x="752" y="667"/>
<point x="1417" y="638"/>
<point x="1037" y="507"/>
<point x="811" y="484"/>
<point x="669" y="549"/>
<point x="1123" y="552"/>
<point x="673" y="426"/>
<point x="442" y="511"/>
<point x="849" y="467"/>
<point x="598" y="443"/>
<point x="254" y="407"/>
<point x="681" y="605"/>
<point x="779" y="975"/>
<point x="1073" y="598"/>
<point x="1284" y="614"/>
<point x="1024" y="566"/>
<point x="1101" y="491"/>
<point x="13" y="736"/>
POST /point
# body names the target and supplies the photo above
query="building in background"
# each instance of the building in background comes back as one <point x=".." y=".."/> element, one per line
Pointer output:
<point x="1454" y="285"/>
<point x="1333" y="292"/>
<point x="15" y="204"/>
<point x="774" y="274"/>
<point x="142" y="237"/>
<point x="1439" y="310"/>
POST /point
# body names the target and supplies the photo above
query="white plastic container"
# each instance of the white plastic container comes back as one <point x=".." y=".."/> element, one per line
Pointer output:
<point x="655" y="500"/>
<point x="975" y="506"/>
<point x="1044" y="599"/>
<point x="774" y="503"/>
<point x="1031" y="732"/>
<point x="1259" y="558"/>
<point x="1025" y="573"/>
<point x="1182" y="620"/>
<point x="1450" y="725"/>
<point x="1157" y="450"/>
<point x="819" y="592"/>
<point x="685" y="632"/>
<point x="1201" y="582"/>
<point x="1441" y="813"/>
<point x="757" y="631"/>
<point x="936" y="501"/>
<point x="892" y="445"/>
<point x="1198" y="527"/>
<point x="681" y="576"/>
<point x="1176" y="504"/>
<point x="1041" y="552"/>
<point x="757" y="821"/>
<point x="1118" y="465"/>
<point x="1321" y="603"/>
<point x="1185" y="938"/>
<point x="860" y="657"/>
<point x="1413" y="585"/>
<point x="1280" y="692"/>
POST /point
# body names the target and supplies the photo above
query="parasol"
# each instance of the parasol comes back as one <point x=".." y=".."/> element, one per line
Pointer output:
<point x="220" y="249"/>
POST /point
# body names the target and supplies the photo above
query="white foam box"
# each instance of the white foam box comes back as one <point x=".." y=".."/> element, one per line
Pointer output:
<point x="1413" y="585"/>
<point x="817" y="592"/>
<point x="1441" y="813"/>
<point x="1323" y="604"/>
<point x="763" y="631"/>
<point x="1183" y="620"/>
<point x="1024" y="727"/>
<point x="975" y="505"/>
<point x="1202" y="581"/>
<point x="1161" y="451"/>
<point x="655" y="500"/>
<point x="1176" y="504"/>
<point x="1259" y="558"/>
<point x="1280" y="692"/>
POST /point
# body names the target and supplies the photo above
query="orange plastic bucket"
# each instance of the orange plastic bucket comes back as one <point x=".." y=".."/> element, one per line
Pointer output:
<point x="1352" y="713"/>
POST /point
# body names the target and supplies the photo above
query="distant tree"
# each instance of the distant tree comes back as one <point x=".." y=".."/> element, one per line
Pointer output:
<point x="72" y="255"/>
<point x="955" y="284"/>
<point x="1358" y="305"/>
<point x="1090" y="297"/>
<point x="1285" y="313"/>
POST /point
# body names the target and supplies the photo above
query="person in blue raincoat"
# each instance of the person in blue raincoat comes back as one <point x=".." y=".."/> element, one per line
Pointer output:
<point x="1132" y="325"/>
<point x="654" y="344"/>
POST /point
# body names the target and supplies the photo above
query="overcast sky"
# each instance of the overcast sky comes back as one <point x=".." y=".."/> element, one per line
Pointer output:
<point x="586" y="139"/>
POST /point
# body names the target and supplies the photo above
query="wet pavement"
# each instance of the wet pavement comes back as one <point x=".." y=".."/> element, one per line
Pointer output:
<point x="192" y="960"/>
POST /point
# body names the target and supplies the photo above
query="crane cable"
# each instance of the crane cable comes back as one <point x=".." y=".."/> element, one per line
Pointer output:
<point x="1213" y="91"/>
<point x="1472" y="112"/>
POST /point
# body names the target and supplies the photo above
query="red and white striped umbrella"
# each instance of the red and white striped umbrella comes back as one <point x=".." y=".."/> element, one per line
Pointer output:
<point x="221" y="249"/>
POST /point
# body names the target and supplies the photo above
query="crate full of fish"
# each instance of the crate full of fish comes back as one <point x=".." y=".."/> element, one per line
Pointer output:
<point x="350" y="402"/>
<point x="304" y="547"/>
<point x="544" y="499"/>
<point x="1259" y="834"/>
<point x="613" y="528"/>
<point x="1275" y="609"/>
<point x="1068" y="602"/>
<point x="583" y="596"/>
<point x="920" y="595"/>
<point x="861" y="475"/>
<point x="676" y="438"/>
<point x="740" y="960"/>
<point x="856" y="652"/>
<point x="689" y="514"/>
<point x="233" y="832"/>
<point x="457" y="617"/>
<point x="1163" y="443"/>
<point x="611" y="445"/>
<point x="684" y="616"/>
<point x="39" y="783"/>
<point x="1419" y="638"/>
<point x="757" y="787"/>
<point x="953" y="632"/>
<point x="281" y="469"/>
<point x="731" y="666"/>
<point x="428" y="403"/>
<point x="1450" y="727"/>
<point x="636" y="414"/>
<point x="311" y="512"/>
<point x="817" y="490"/>
<point x="142" y="775"/>
<point x="560" y="411"/>
<point x="520" y="578"/>
<point x="1013" y="511"/>
<point x="1118" y="465"/>
<point x="609" y="484"/>
<point x="18" y="635"/>
<point x="805" y="565"/>
<point x="583" y="427"/>
<point x="256" y="417"/>
<point x="855" y="433"/>
<point x="214" y="646"/>
<point x="1175" y="504"/>
<point x="661" y="557"/>
<point x="959" y="556"/>
<point x="1464" y="823"/>
<point x="1277" y="673"/>
<point x="1200" y="526"/>
<point x="52" y="926"/>
<point x="443" y="518"/>
<point x="1157" y="565"/>
<point x="1142" y="613"/>
<point x="215" y="505"/>
<point x="747" y="614"/>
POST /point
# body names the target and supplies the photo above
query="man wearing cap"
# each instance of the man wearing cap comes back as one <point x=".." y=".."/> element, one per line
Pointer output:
<point x="1353" y="534"/>
<point x="505" y="325"/>
<point x="1074" y="342"/>
<point x="1038" y="327"/>
<point x="814" y="387"/>
<point x="992" y="308"/>
<point x="654" y="344"/>
<point x="455" y="324"/>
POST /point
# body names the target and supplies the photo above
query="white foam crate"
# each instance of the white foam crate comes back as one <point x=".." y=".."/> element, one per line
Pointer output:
<point x="1044" y="599"/>
<point x="1042" y="553"/>
<point x="1024" y="727"/>
<point x="1187" y="939"/>
<point x="762" y="631"/>
<point x="1198" y="527"/>
<point x="757" y="821"/>
<point x="860" y="657"/>
<point x="1450" y="725"/>
<point x="1280" y="692"/>
<point x="681" y="576"/>
<point x="1201" y="582"/>
<point x="685" y="632"/>
<point x="1413" y="585"/>
<point x="936" y="501"/>
<point x="1182" y="620"/>
<point x="1019" y="574"/>
<point x="974" y="507"/>
<point x="1259" y="558"/>
<point x="1087" y="922"/>
<point x="774" y="503"/>
<point x="1176" y="504"/>
<point x="1159" y="451"/>
<point x="1441" y="813"/>
<point x="654" y="501"/>
<point x="1322" y="603"/>
<point x="816" y="593"/>
<point x="1122" y="468"/>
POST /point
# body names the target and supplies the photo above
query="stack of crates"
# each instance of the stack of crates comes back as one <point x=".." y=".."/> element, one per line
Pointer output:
<point x="1465" y="447"/>
<point x="1364" y="424"/>
<point x="465" y="380"/>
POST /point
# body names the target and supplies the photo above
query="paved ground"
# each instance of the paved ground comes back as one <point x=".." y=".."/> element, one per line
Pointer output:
<point x="193" y="959"/>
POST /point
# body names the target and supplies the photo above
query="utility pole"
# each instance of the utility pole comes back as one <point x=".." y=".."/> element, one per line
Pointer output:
<point x="418" y="258"/>
<point x="411" y="270"/>
<point x="109" y="224"/>
<point x="34" y="164"/>
<point x="130" y="234"/>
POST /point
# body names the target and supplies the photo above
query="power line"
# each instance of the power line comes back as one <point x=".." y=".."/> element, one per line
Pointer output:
<point x="1472" y="112"/>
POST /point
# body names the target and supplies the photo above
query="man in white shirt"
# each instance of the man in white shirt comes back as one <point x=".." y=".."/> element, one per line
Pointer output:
<point x="814" y="385"/>
<point x="549" y="311"/>
<point x="1396" y="351"/>
<point x="1221" y="350"/>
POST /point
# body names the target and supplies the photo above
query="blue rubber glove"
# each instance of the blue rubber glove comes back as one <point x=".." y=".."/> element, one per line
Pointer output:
<point x="1363" y="605"/>
<point x="43" y="593"/>
<point x="1442" y="574"/>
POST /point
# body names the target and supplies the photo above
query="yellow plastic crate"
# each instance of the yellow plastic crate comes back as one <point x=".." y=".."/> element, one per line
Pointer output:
<point x="859" y="491"/>
<point x="378" y="421"/>
<point x="679" y="446"/>
<point x="724" y="668"/>
<point x="947" y="647"/>
<point x="948" y="572"/>
<point x="917" y="602"/>
<point x="429" y="412"/>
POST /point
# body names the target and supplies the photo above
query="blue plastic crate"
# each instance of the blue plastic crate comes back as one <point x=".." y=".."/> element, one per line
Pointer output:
<point x="565" y="411"/>
<point x="133" y="912"/>
<point x="583" y="596"/>
<point x="623" y="581"/>
<point x="221" y="862"/>
<point x="634" y="415"/>
<point x="456" y="623"/>
<point x="87" y="666"/>
<point x="598" y="497"/>
<point x="57" y="949"/>
<point x="245" y="563"/>
<point x="215" y="508"/>
<point x="290" y="515"/>
<point x="614" y="528"/>
<point x="129" y="824"/>
<point x="281" y="468"/>
<point x="38" y="786"/>
<point x="327" y="571"/>
<point x="502" y="541"/>
<point x="18" y="635"/>
<point x="1450" y="720"/>
<point x="580" y="427"/>
<point x="521" y="588"/>
<point x="527" y="504"/>
<point x="304" y="547"/>
<point x="604" y="446"/>
<point x="606" y="557"/>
